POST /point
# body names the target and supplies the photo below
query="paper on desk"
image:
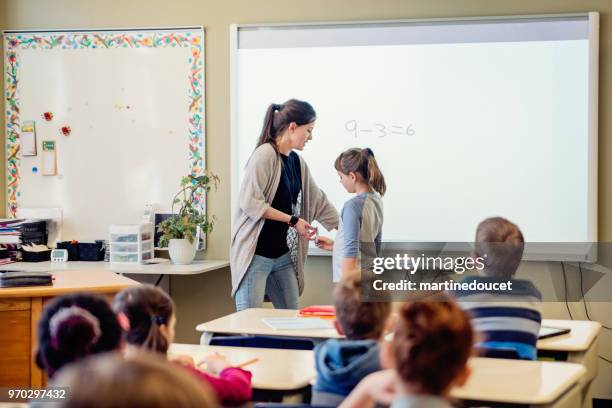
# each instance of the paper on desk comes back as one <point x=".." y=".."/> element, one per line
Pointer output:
<point x="297" y="323"/>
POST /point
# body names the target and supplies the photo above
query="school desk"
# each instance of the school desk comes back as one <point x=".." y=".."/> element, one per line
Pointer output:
<point x="282" y="371"/>
<point x="20" y="310"/>
<point x="249" y="322"/>
<point x="522" y="383"/>
<point x="580" y="346"/>
<point x="161" y="269"/>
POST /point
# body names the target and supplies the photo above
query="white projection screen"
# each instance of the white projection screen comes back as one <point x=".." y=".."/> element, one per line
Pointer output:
<point x="468" y="118"/>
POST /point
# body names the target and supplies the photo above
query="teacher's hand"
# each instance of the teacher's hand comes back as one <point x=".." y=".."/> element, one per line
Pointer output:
<point x="305" y="229"/>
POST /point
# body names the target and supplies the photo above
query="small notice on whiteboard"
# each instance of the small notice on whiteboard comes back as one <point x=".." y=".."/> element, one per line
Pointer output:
<point x="49" y="158"/>
<point x="28" y="138"/>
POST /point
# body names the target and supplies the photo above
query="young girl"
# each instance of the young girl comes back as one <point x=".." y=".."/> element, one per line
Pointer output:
<point x="428" y="356"/>
<point x="362" y="216"/>
<point x="73" y="327"/>
<point x="150" y="319"/>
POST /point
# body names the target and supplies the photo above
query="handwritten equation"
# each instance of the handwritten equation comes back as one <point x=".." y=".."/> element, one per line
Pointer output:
<point x="380" y="130"/>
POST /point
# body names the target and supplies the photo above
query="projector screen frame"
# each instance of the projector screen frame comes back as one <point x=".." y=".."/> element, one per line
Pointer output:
<point x="593" y="102"/>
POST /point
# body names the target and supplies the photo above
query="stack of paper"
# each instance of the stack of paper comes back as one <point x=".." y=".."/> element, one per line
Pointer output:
<point x="297" y="323"/>
<point x="10" y="239"/>
<point x="10" y="233"/>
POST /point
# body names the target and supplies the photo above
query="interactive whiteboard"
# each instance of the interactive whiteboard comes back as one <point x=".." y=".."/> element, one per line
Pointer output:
<point x="468" y="118"/>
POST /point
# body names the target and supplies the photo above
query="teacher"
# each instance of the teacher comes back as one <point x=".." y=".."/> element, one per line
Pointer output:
<point x="277" y="202"/>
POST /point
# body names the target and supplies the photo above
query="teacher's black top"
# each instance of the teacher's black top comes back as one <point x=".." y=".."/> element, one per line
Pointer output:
<point x="272" y="241"/>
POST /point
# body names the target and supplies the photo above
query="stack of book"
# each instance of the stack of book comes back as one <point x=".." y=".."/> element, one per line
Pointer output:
<point x="10" y="240"/>
<point x="15" y="232"/>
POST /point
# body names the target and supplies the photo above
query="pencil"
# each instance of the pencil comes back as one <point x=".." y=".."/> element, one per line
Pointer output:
<point x="248" y="362"/>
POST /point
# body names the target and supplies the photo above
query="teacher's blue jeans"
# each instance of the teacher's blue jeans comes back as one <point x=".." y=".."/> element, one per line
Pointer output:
<point x="274" y="277"/>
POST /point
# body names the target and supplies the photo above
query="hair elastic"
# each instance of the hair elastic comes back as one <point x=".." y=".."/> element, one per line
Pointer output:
<point x="73" y="312"/>
<point x="157" y="319"/>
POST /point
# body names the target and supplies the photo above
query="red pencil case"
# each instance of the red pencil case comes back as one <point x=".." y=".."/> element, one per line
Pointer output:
<point x="318" y="310"/>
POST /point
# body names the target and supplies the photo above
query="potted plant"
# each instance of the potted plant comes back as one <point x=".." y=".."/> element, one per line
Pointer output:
<point x="181" y="231"/>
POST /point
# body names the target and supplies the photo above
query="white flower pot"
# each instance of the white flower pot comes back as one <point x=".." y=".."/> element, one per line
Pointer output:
<point x="182" y="251"/>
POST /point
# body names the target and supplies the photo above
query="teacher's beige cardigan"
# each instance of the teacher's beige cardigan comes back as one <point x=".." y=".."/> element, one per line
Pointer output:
<point x="261" y="179"/>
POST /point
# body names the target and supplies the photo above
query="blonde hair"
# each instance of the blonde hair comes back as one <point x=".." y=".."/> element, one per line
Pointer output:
<point x="359" y="319"/>
<point x="362" y="162"/>
<point x="143" y="380"/>
<point x="500" y="243"/>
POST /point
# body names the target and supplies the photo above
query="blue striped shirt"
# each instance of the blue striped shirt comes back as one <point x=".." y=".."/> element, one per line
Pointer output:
<point x="508" y="320"/>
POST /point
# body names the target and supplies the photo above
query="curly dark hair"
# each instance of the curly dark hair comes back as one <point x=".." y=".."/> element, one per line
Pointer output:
<point x="73" y="327"/>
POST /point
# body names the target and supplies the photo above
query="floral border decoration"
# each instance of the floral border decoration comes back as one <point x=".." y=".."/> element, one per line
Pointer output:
<point x="150" y="39"/>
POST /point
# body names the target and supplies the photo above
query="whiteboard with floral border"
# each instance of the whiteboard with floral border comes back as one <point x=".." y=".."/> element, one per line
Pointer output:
<point x="125" y="109"/>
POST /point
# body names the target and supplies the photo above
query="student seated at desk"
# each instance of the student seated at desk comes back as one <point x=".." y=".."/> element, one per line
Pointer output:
<point x="341" y="364"/>
<point x="150" y="319"/>
<point x="508" y="319"/>
<point x="141" y="381"/>
<point x="429" y="354"/>
<point x="73" y="327"/>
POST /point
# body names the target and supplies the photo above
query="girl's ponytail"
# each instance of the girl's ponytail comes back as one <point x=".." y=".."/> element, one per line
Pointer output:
<point x="155" y="339"/>
<point x="376" y="180"/>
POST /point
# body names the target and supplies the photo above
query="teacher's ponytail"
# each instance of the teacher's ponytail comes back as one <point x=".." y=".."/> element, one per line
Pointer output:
<point x="362" y="162"/>
<point x="279" y="117"/>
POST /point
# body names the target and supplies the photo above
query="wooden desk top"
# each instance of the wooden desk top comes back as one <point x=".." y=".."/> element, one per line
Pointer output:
<point x="166" y="268"/>
<point x="278" y="370"/>
<point x="90" y="280"/>
<point x="518" y="381"/>
<point x="580" y="338"/>
<point x="249" y="321"/>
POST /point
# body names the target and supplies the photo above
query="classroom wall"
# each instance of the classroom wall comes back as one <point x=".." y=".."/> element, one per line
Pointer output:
<point x="206" y="296"/>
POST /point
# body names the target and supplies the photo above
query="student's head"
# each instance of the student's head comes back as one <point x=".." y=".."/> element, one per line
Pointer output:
<point x="502" y="242"/>
<point x="150" y="313"/>
<point x="359" y="166"/>
<point x="140" y="381"/>
<point x="356" y="319"/>
<point x="73" y="327"/>
<point x="430" y="348"/>
<point x="292" y="120"/>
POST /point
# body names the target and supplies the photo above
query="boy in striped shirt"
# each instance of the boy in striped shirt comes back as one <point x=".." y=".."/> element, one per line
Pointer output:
<point x="508" y="320"/>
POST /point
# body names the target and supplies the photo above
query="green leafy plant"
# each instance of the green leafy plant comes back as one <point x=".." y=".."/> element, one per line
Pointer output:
<point x="185" y="223"/>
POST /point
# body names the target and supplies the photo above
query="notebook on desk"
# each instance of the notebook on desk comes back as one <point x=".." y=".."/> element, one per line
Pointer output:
<point x="549" y="331"/>
<point x="15" y="279"/>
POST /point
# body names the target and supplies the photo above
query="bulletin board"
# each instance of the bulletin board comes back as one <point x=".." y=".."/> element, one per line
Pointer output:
<point x="101" y="123"/>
